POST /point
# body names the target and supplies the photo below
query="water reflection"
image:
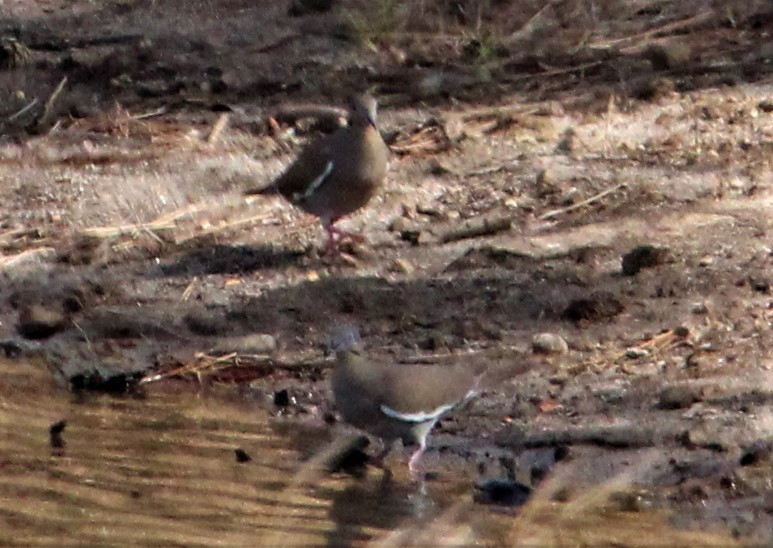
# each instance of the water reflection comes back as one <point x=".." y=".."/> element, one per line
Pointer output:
<point x="162" y="469"/>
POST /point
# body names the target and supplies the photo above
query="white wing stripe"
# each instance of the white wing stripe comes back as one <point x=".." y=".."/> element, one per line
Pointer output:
<point x="316" y="183"/>
<point x="422" y="416"/>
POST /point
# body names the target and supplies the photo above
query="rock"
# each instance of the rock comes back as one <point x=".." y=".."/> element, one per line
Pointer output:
<point x="348" y="456"/>
<point x="706" y="435"/>
<point x="107" y="381"/>
<point x="13" y="54"/>
<point x="760" y="282"/>
<point x="502" y="492"/>
<point x="630" y="501"/>
<point x="414" y="236"/>
<point x="598" y="306"/>
<point x="400" y="224"/>
<point x="636" y="353"/>
<point x="643" y="256"/>
<point x="670" y="55"/>
<point x="757" y="453"/>
<point x="400" y="266"/>
<point x="678" y="397"/>
<point x="242" y="456"/>
<point x="549" y="343"/>
<point x="306" y="7"/>
<point x="547" y="182"/>
<point x="208" y="322"/>
<point x="257" y="343"/>
<point x="39" y="321"/>
<point x="282" y="398"/>
<point x="55" y="434"/>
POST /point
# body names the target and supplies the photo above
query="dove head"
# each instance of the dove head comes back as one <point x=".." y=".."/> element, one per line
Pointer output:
<point x="344" y="338"/>
<point x="362" y="110"/>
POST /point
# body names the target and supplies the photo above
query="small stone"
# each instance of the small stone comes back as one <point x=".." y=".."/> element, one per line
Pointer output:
<point x="299" y="8"/>
<point x="598" y="306"/>
<point x="282" y="398"/>
<point x="38" y="321"/>
<point x="677" y="397"/>
<point x="636" y="353"/>
<point x="708" y="260"/>
<point x="666" y="56"/>
<point x="502" y="492"/>
<point x="705" y="435"/>
<point x="757" y="453"/>
<point x="643" y="256"/>
<point x="257" y="343"/>
<point x="400" y="266"/>
<point x="242" y="456"/>
<point x="348" y="456"/>
<point x="547" y="182"/>
<point x="414" y="237"/>
<point x="55" y="434"/>
<point x="628" y="501"/>
<point x="399" y="224"/>
<point x="760" y="283"/>
<point x="549" y="343"/>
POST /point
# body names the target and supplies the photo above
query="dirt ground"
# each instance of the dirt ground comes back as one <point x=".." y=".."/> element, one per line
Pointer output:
<point x="580" y="196"/>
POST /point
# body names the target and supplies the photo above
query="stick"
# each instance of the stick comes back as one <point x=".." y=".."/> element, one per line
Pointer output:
<point x="32" y="103"/>
<point x="218" y="128"/>
<point x="578" y="205"/>
<point x="476" y="227"/>
<point x="37" y="125"/>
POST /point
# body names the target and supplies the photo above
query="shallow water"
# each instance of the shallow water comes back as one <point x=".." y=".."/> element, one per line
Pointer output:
<point x="162" y="469"/>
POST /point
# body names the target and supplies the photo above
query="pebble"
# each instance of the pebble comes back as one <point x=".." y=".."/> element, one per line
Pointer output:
<point x="678" y="397"/>
<point x="40" y="322"/>
<point x="636" y="353"/>
<point x="257" y="343"/>
<point x="502" y="492"/>
<point x="549" y="343"/>
<point x="643" y="256"/>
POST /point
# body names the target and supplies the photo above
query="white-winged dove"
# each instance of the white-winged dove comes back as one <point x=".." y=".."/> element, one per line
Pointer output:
<point x="394" y="401"/>
<point x="338" y="174"/>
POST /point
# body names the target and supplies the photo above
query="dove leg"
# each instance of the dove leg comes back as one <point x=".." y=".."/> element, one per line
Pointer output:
<point x="413" y="464"/>
<point x="378" y="460"/>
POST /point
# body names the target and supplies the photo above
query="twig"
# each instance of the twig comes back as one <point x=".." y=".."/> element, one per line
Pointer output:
<point x="189" y="289"/>
<point x="528" y="28"/>
<point x="120" y="230"/>
<point x="578" y="205"/>
<point x="30" y="254"/>
<point x="48" y="108"/>
<point x="491" y="169"/>
<point x="31" y="104"/>
<point x="151" y="114"/>
<point x="554" y="72"/>
<point x="669" y="27"/>
<point x="474" y="228"/>
<point x="278" y="43"/>
<point x="253" y="219"/>
<point x="217" y="128"/>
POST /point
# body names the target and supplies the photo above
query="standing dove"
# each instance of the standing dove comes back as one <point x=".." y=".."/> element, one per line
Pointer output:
<point x="394" y="401"/>
<point x="338" y="174"/>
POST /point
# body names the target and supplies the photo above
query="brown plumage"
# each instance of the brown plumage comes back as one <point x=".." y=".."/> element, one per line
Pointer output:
<point x="395" y="401"/>
<point x="340" y="173"/>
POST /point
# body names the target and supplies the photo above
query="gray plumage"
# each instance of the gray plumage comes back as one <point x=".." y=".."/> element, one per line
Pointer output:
<point x="394" y="401"/>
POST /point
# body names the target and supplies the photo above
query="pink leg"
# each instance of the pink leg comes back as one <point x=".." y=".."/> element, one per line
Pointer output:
<point x="332" y="229"/>
<point x="413" y="464"/>
<point x="336" y="235"/>
<point x="378" y="460"/>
